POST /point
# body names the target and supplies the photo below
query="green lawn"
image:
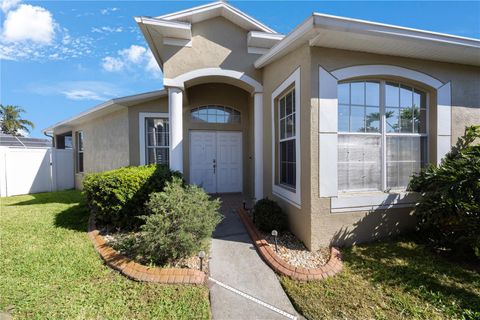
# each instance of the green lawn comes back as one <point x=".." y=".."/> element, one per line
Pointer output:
<point x="390" y="280"/>
<point x="49" y="269"/>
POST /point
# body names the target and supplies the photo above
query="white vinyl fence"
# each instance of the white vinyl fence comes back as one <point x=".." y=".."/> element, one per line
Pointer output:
<point x="32" y="170"/>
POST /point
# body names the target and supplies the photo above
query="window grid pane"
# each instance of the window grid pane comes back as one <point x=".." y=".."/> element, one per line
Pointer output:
<point x="360" y="106"/>
<point x="215" y="114"/>
<point x="158" y="140"/>
<point x="359" y="159"/>
<point x="360" y="113"/>
<point x="287" y="142"/>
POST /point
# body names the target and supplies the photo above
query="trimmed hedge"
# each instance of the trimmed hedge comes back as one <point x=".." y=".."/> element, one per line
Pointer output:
<point x="269" y="216"/>
<point x="118" y="197"/>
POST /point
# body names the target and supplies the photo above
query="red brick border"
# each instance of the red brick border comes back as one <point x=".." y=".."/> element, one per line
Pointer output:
<point x="280" y="266"/>
<point x="136" y="271"/>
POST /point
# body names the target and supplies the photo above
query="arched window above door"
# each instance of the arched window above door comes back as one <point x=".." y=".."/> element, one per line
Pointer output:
<point x="215" y="114"/>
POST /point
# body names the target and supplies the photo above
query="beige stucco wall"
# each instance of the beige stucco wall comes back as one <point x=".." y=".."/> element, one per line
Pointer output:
<point x="314" y="223"/>
<point x="215" y="43"/>
<point x="226" y="95"/>
<point x="159" y="105"/>
<point x="347" y="228"/>
<point x="106" y="144"/>
<point x="274" y="75"/>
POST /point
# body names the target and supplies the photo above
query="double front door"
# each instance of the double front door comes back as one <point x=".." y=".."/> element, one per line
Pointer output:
<point x="216" y="160"/>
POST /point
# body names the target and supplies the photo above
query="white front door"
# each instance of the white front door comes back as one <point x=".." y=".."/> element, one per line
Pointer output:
<point x="216" y="160"/>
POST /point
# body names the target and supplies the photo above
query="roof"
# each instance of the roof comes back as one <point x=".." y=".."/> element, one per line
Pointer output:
<point x="216" y="9"/>
<point x="360" y="35"/>
<point x="175" y="28"/>
<point x="8" y="140"/>
<point x="105" y="108"/>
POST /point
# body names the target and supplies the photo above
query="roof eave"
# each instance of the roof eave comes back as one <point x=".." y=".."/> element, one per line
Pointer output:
<point x="108" y="107"/>
<point x="318" y="22"/>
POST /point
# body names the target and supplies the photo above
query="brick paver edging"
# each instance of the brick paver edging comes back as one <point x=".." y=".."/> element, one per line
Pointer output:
<point x="136" y="271"/>
<point x="280" y="266"/>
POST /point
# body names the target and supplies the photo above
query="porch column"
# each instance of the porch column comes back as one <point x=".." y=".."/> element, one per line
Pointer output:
<point x="258" y="143"/>
<point x="175" y="113"/>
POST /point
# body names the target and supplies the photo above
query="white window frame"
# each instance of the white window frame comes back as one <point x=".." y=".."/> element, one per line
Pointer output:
<point x="78" y="151"/>
<point x="383" y="134"/>
<point x="328" y="133"/>
<point x="286" y="193"/>
<point x="285" y="139"/>
<point x="142" y="116"/>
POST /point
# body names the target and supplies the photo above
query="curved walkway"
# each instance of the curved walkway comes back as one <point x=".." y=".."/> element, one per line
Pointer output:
<point x="241" y="285"/>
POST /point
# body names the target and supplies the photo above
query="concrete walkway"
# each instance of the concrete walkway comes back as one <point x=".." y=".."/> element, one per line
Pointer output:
<point x="241" y="285"/>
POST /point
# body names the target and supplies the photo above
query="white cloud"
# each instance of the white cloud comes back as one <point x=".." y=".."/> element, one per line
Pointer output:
<point x="112" y="64"/>
<point x="130" y="58"/>
<point x="6" y="5"/>
<point x="82" y="95"/>
<point x="30" y="23"/>
<point x="152" y="65"/>
<point x="108" y="10"/>
<point x="80" y="90"/>
<point x="134" y="53"/>
<point x="107" y="29"/>
<point x="31" y="33"/>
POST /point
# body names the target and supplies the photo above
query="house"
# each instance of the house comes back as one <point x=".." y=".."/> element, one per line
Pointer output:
<point x="329" y="120"/>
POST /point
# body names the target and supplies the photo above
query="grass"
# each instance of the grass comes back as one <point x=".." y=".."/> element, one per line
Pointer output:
<point x="390" y="280"/>
<point x="50" y="270"/>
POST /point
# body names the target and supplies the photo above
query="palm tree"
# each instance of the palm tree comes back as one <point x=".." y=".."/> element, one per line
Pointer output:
<point x="11" y="121"/>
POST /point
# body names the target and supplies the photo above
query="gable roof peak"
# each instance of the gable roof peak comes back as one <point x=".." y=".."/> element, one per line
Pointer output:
<point x="215" y="9"/>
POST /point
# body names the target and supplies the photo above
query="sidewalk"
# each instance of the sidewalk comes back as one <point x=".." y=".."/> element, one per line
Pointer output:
<point x="242" y="286"/>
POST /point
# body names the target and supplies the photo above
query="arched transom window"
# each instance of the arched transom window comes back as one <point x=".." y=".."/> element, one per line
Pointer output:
<point x="215" y="114"/>
<point x="382" y="134"/>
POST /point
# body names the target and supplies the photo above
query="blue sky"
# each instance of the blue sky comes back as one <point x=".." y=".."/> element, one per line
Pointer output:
<point x="58" y="58"/>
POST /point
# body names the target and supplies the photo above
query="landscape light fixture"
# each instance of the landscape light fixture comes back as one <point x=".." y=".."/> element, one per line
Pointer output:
<point x="275" y="234"/>
<point x="201" y="255"/>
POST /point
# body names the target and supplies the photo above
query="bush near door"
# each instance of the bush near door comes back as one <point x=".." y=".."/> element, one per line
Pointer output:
<point x="118" y="197"/>
<point x="269" y="216"/>
<point x="179" y="222"/>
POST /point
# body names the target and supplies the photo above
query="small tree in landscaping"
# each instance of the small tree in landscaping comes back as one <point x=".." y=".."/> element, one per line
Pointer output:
<point x="180" y="220"/>
<point x="449" y="210"/>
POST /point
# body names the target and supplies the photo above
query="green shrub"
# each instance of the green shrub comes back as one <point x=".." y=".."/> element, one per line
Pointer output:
<point x="269" y="216"/>
<point x="118" y="197"/>
<point x="179" y="222"/>
<point x="449" y="210"/>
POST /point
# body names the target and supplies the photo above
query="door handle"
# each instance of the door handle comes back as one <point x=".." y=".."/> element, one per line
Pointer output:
<point x="214" y="166"/>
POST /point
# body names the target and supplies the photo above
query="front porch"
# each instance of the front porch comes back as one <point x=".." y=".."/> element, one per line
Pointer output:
<point x="215" y="134"/>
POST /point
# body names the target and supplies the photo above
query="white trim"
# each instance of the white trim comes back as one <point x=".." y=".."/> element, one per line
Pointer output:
<point x="265" y="35"/>
<point x="283" y="44"/>
<point x="164" y="23"/>
<point x="175" y="111"/>
<point x="328" y="149"/>
<point x="385" y="70"/>
<point x="328" y="139"/>
<point x="177" y="42"/>
<point x="444" y="121"/>
<point x="141" y="132"/>
<point x="225" y="10"/>
<point x="180" y="80"/>
<point x="110" y="104"/>
<point x="256" y="50"/>
<point x="292" y="196"/>
<point x="467" y="48"/>
<point x="373" y="201"/>
<point x="258" y="143"/>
